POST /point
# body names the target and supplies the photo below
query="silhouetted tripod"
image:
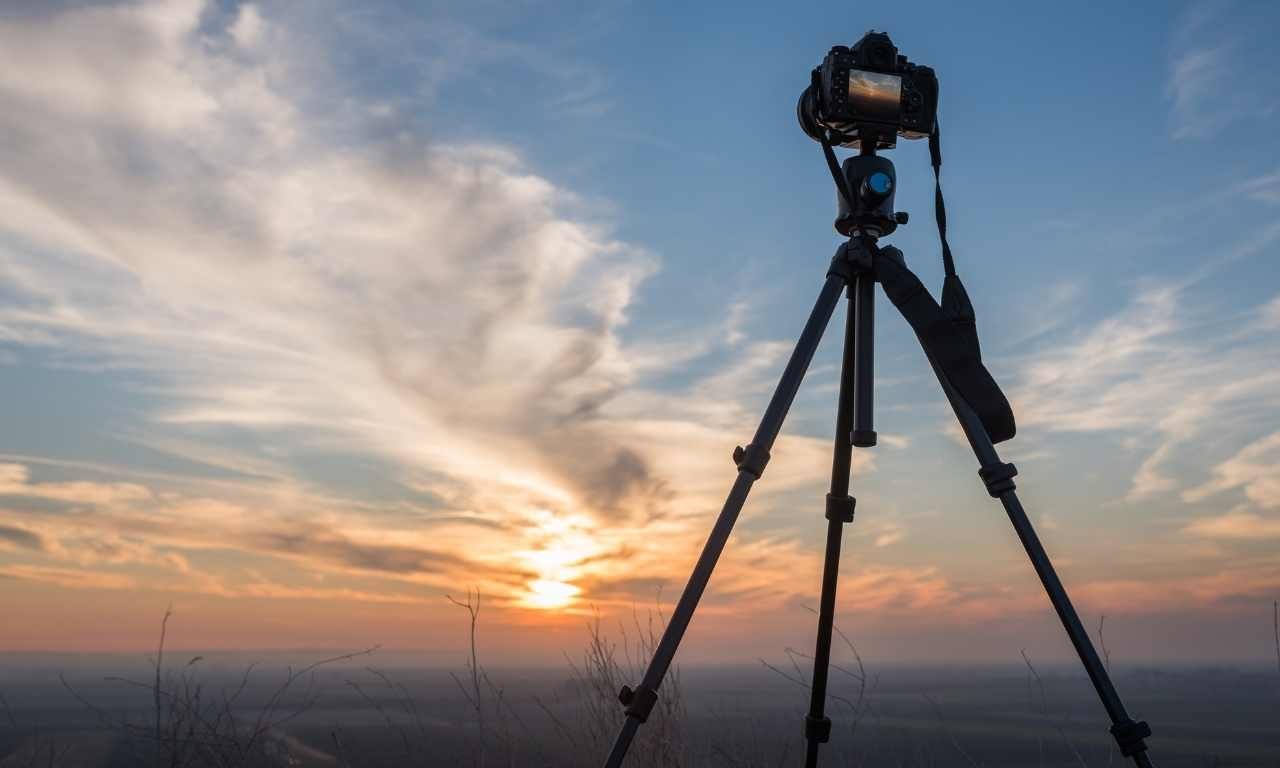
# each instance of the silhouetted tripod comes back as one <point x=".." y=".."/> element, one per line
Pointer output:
<point x="949" y="338"/>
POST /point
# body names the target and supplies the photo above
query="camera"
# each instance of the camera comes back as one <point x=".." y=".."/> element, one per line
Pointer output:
<point x="868" y="95"/>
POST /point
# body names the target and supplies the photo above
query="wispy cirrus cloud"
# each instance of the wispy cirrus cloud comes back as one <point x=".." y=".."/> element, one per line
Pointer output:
<point x="174" y="202"/>
<point x="1255" y="469"/>
<point x="1237" y="525"/>
<point x="1199" y="86"/>
<point x="1264" y="188"/>
<point x="1159" y="370"/>
<point x="70" y="578"/>
<point x="182" y="196"/>
<point x="1205" y="88"/>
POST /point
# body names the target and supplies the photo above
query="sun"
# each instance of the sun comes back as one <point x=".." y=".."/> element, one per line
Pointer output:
<point x="549" y="594"/>
<point x="561" y="544"/>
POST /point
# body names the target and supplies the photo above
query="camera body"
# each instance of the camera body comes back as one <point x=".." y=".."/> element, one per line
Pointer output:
<point x="869" y="94"/>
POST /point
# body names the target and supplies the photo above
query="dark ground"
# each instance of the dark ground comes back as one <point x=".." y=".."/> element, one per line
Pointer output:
<point x="910" y="716"/>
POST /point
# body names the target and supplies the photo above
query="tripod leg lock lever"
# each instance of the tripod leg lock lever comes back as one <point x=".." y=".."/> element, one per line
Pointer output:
<point x="638" y="701"/>
<point x="817" y="729"/>
<point x="999" y="478"/>
<point x="751" y="459"/>
<point x="840" y="508"/>
<point x="1129" y="736"/>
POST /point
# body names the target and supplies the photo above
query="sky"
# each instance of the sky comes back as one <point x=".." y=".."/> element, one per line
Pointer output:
<point x="313" y="314"/>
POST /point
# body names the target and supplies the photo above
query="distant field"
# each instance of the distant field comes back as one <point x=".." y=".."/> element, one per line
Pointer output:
<point x="348" y="715"/>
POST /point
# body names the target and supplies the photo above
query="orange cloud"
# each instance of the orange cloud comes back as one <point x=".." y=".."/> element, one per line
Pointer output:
<point x="1255" y="468"/>
<point x="1236" y="525"/>
<point x="1195" y="592"/>
<point x="69" y="577"/>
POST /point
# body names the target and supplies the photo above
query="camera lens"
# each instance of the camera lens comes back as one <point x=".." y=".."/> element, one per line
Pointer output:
<point x="807" y="114"/>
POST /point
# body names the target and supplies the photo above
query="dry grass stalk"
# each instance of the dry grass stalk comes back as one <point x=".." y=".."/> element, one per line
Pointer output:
<point x="192" y="728"/>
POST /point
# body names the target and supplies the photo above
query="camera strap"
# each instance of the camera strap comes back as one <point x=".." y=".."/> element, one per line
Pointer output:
<point x="950" y="345"/>
<point x="955" y="299"/>
<point x="964" y="366"/>
<point x="842" y="184"/>
<point x="939" y="206"/>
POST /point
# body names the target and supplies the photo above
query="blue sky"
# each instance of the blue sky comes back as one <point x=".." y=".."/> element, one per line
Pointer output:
<point x="315" y="305"/>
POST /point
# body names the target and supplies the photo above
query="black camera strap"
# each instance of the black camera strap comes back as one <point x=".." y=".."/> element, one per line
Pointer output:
<point x="963" y="362"/>
<point x="983" y="392"/>
<point x="842" y="184"/>
<point x="951" y="345"/>
<point x="939" y="206"/>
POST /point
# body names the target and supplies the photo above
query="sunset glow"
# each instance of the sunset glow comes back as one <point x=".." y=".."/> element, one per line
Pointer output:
<point x="308" y="322"/>
<point x="547" y="594"/>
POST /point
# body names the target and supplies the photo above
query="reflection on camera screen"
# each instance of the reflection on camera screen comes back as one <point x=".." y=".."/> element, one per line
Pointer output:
<point x="875" y="96"/>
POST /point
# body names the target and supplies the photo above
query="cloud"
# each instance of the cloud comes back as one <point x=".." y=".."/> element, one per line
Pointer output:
<point x="1050" y="310"/>
<point x="898" y="590"/>
<point x="889" y="533"/>
<point x="1221" y="586"/>
<point x="329" y="546"/>
<point x="68" y="578"/>
<point x="1096" y="382"/>
<point x="1271" y="314"/>
<point x="1264" y="188"/>
<point x="1236" y="525"/>
<point x="1150" y="479"/>
<point x="164" y="528"/>
<point x="1209" y="49"/>
<point x="246" y="30"/>
<point x="1198" y="81"/>
<point x="181" y="195"/>
<point x="21" y="538"/>
<point x="1156" y="370"/>
<point x="1255" y="468"/>
<point x="426" y="301"/>
<point x="15" y="481"/>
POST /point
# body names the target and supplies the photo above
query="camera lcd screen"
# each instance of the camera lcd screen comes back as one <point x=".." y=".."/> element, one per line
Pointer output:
<point x="875" y="96"/>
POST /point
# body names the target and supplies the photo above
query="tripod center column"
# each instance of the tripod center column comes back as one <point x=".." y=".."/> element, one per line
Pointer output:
<point x="864" y="325"/>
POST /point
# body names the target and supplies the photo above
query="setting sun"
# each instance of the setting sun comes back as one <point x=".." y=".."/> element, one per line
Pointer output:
<point x="561" y="548"/>
<point x="546" y="594"/>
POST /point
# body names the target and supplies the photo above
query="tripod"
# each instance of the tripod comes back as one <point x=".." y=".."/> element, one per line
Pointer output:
<point x="949" y="339"/>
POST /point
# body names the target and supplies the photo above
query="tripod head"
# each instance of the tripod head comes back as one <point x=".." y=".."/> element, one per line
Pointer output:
<point x="871" y="181"/>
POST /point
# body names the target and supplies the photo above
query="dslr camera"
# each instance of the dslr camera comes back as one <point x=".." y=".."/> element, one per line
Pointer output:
<point x="868" y="95"/>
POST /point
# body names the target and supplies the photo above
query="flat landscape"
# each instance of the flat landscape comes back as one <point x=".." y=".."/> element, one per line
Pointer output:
<point x="360" y="714"/>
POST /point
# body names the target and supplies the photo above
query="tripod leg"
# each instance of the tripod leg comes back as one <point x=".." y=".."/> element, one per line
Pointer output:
<point x="1129" y="735"/>
<point x="751" y="462"/>
<point x="853" y="427"/>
